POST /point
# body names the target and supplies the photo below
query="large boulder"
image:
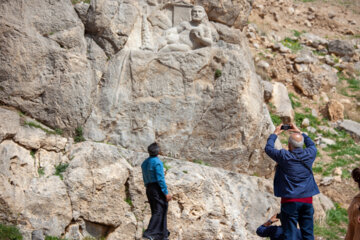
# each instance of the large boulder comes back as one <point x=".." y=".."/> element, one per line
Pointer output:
<point x="341" y="48"/>
<point x="44" y="70"/>
<point x="308" y="83"/>
<point x="335" y="110"/>
<point x="281" y="101"/>
<point x="352" y="127"/>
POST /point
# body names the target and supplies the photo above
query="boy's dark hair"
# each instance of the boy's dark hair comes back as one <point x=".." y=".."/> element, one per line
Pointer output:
<point x="154" y="149"/>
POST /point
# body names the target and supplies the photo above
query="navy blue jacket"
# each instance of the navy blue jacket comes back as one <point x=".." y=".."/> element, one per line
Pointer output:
<point x="292" y="178"/>
<point x="275" y="232"/>
<point x="153" y="171"/>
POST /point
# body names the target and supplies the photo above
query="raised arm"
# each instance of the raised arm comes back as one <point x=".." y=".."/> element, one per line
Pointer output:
<point x="310" y="145"/>
<point x="270" y="149"/>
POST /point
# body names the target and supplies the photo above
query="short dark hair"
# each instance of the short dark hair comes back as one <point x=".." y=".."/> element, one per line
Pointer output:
<point x="153" y="149"/>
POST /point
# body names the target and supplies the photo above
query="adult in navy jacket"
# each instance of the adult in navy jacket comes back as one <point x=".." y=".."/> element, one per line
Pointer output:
<point x="294" y="182"/>
<point x="157" y="194"/>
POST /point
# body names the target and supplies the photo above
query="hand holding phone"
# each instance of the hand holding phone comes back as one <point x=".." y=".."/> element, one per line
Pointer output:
<point x="285" y="127"/>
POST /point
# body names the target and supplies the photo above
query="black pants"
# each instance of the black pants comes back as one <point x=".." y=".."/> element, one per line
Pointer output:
<point x="157" y="228"/>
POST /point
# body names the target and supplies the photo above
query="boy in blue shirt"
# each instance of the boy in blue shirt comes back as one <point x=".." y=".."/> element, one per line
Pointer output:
<point x="157" y="194"/>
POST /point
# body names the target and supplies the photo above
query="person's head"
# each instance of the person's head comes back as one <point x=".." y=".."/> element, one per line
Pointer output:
<point x="296" y="140"/>
<point x="356" y="175"/>
<point x="197" y="13"/>
<point x="153" y="149"/>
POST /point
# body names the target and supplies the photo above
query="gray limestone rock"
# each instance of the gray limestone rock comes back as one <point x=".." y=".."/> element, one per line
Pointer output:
<point x="231" y="13"/>
<point x="313" y="40"/>
<point x="341" y="48"/>
<point x="43" y="63"/>
<point x="268" y="89"/>
<point x="352" y="127"/>
<point x="37" y="235"/>
<point x="307" y="83"/>
<point x="281" y="101"/>
<point x="110" y="22"/>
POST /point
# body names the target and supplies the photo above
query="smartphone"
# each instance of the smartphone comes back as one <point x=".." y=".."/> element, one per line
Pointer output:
<point x="285" y="127"/>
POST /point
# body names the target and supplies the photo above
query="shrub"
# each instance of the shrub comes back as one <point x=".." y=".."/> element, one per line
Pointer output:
<point x="79" y="135"/>
<point x="218" y="73"/>
<point x="8" y="232"/>
<point x="59" y="169"/>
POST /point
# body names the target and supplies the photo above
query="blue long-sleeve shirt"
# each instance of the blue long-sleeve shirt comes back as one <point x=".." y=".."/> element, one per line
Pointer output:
<point x="293" y="179"/>
<point x="275" y="232"/>
<point x="153" y="171"/>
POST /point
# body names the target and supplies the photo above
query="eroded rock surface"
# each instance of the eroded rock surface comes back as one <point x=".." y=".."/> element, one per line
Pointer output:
<point x="43" y="63"/>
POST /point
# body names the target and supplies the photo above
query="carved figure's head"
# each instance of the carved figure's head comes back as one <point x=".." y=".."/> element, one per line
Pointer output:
<point x="197" y="13"/>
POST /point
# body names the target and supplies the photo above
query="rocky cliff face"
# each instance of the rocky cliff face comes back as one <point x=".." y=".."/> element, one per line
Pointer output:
<point x="85" y="65"/>
<point x="100" y="191"/>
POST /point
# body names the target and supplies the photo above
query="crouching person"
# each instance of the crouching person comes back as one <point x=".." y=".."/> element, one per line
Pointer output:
<point x="274" y="232"/>
<point x="157" y="194"/>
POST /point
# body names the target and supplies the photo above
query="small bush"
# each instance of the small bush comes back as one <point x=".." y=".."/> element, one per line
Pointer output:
<point x="60" y="169"/>
<point x="9" y="233"/>
<point x="184" y="171"/>
<point x="79" y="135"/>
<point x="218" y="73"/>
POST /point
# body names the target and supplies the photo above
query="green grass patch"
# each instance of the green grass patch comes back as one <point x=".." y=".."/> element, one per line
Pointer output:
<point x="335" y="224"/>
<point x="79" y="135"/>
<point x="294" y="45"/>
<point x="299" y="117"/>
<point x="318" y="53"/>
<point x="32" y="153"/>
<point x="344" y="153"/>
<point x="184" y="171"/>
<point x="167" y="167"/>
<point x="36" y="125"/>
<point x="60" y="169"/>
<point x="294" y="100"/>
<point x="297" y="33"/>
<point x="54" y="238"/>
<point x="275" y="119"/>
<point x="8" y="232"/>
<point x="128" y="201"/>
<point x="78" y="1"/>
<point x="41" y="171"/>
<point x="201" y="162"/>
